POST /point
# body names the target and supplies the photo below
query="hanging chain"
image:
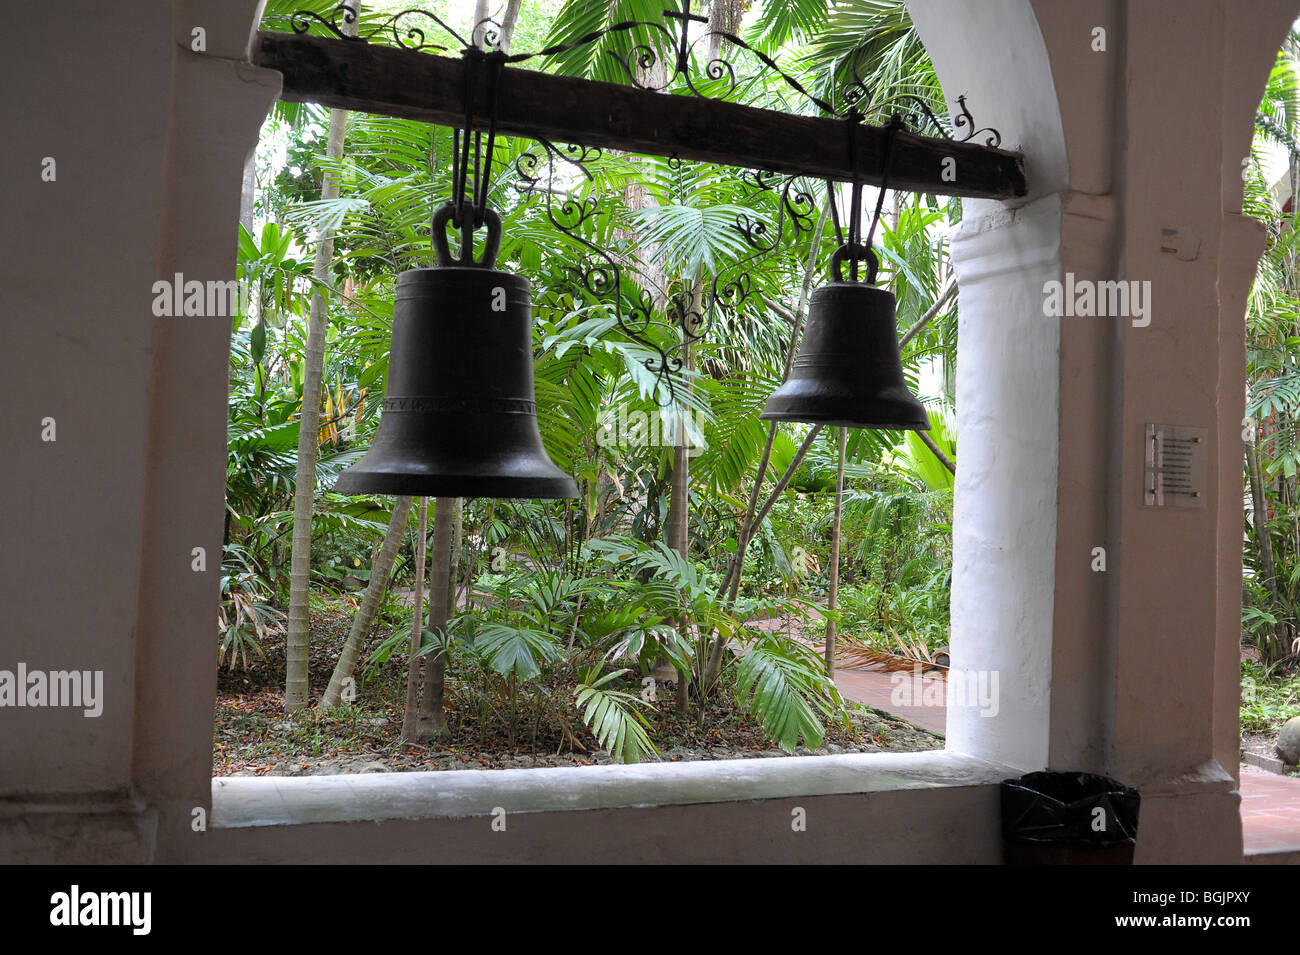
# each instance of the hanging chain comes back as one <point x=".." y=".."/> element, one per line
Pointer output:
<point x="852" y="245"/>
<point x="471" y="193"/>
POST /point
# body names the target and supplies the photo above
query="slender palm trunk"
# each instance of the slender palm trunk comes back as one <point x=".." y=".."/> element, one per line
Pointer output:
<point x="1264" y="538"/>
<point x="483" y="10"/>
<point x="725" y="16"/>
<point x="410" y="718"/>
<point x="380" y="571"/>
<point x="298" y="636"/>
<point x="832" y="598"/>
<point x="431" y="717"/>
<point x="481" y="13"/>
<point x="748" y="526"/>
<point x="508" y="21"/>
<point x="457" y="545"/>
<point x="731" y="582"/>
<point x="677" y="532"/>
<point x="715" y="656"/>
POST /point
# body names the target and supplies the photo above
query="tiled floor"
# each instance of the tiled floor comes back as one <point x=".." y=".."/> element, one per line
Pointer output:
<point x="1270" y="811"/>
<point x="875" y="688"/>
<point x="1270" y="805"/>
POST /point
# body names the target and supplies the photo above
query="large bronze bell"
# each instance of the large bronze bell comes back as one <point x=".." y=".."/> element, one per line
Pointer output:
<point x="848" y="371"/>
<point x="460" y="416"/>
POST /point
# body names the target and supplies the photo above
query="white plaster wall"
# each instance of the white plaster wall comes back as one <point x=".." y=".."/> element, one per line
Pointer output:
<point x="77" y="260"/>
<point x="993" y="51"/>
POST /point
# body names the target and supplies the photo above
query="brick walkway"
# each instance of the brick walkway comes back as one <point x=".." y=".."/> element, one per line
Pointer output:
<point x="1270" y="804"/>
<point x="874" y="688"/>
<point x="1270" y="811"/>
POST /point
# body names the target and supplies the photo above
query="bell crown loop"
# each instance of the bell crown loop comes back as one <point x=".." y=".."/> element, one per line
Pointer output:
<point x="466" y="218"/>
<point x="855" y="251"/>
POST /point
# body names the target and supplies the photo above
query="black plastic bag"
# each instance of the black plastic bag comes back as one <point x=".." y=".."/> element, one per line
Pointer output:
<point x="1068" y="818"/>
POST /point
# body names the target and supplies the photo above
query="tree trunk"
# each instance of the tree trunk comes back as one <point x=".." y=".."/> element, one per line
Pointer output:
<point x="482" y="11"/>
<point x="248" y="192"/>
<point x="715" y="656"/>
<point x="1262" y="535"/>
<point x="725" y="16"/>
<point x="380" y="572"/>
<point x="650" y="274"/>
<point x="410" y="718"/>
<point x="479" y="39"/>
<point x="937" y="452"/>
<point x="677" y="533"/>
<point x="736" y="569"/>
<point x="298" y="636"/>
<point x="457" y="541"/>
<point x="832" y="598"/>
<point x="431" y="716"/>
<point x="508" y="22"/>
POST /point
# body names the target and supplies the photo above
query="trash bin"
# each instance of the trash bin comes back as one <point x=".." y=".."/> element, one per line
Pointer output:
<point x="1054" y="818"/>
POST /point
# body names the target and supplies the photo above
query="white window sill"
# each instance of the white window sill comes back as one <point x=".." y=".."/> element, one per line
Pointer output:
<point x="241" y="801"/>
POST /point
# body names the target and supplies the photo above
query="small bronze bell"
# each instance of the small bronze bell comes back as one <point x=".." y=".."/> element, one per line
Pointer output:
<point x="848" y="371"/>
<point x="460" y="416"/>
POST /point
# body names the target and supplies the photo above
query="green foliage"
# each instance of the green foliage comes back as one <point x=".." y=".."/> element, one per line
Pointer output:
<point x="613" y="717"/>
<point x="918" y="462"/>
<point x="784" y="683"/>
<point x="245" y="617"/>
<point x="585" y="595"/>
<point x="1271" y="608"/>
<point x="1267" y="701"/>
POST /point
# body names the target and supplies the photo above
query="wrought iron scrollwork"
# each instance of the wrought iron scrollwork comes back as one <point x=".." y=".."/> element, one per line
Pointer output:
<point x="796" y="208"/>
<point x="398" y="29"/>
<point x="853" y="101"/>
<point x="732" y="286"/>
<point x="962" y="121"/>
<point x="601" y="276"/>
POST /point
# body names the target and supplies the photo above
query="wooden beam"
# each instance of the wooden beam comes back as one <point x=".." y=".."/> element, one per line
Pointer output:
<point x="365" y="77"/>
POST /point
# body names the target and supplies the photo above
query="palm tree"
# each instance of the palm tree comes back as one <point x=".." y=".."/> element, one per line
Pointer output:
<point x="298" y="636"/>
<point x="1271" y="610"/>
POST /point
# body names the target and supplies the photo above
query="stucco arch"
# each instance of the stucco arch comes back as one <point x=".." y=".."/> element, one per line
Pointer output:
<point x="1048" y="407"/>
<point x="1112" y="672"/>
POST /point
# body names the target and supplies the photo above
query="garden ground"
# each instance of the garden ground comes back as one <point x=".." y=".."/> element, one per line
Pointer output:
<point x="254" y="736"/>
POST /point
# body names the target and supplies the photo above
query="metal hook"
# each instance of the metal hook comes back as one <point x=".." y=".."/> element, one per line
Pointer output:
<point x="464" y="218"/>
<point x="855" y="252"/>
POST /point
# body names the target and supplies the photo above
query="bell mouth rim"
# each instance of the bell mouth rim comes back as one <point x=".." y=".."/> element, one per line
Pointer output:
<point x="840" y="422"/>
<point x="560" y="487"/>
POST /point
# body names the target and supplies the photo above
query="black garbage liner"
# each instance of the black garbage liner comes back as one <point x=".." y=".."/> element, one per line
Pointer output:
<point x="1055" y="818"/>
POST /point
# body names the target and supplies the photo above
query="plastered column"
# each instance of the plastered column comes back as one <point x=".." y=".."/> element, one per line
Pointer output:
<point x="80" y="254"/>
<point x="219" y="102"/>
<point x="1004" y="538"/>
<point x="1004" y="520"/>
<point x="147" y="136"/>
